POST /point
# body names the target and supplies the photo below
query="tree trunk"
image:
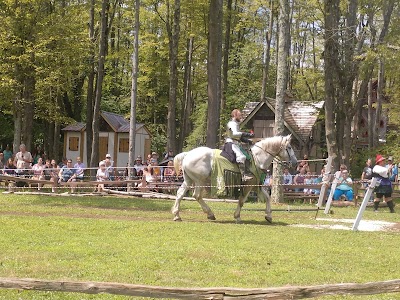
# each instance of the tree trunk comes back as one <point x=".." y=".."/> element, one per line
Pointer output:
<point x="331" y="8"/>
<point x="89" y="97"/>
<point x="214" y="72"/>
<point x="281" y="86"/>
<point x="227" y="42"/>
<point x="135" y="73"/>
<point x="17" y="124"/>
<point x="379" y="100"/>
<point x="173" y="35"/>
<point x="187" y="110"/>
<point x="99" y="86"/>
<point x="267" y="53"/>
<point x="77" y="90"/>
<point x="29" y="107"/>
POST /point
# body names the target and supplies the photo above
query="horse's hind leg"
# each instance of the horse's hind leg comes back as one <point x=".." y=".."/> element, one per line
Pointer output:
<point x="179" y="195"/>
<point x="241" y="201"/>
<point x="198" y="195"/>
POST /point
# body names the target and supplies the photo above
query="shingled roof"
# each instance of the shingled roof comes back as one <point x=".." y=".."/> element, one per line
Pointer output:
<point x="299" y="116"/>
<point x="117" y="122"/>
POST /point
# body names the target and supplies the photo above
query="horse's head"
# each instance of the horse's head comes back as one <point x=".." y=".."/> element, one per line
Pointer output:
<point x="286" y="153"/>
<point x="275" y="147"/>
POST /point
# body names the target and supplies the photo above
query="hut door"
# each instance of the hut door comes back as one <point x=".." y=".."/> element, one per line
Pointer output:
<point x="103" y="147"/>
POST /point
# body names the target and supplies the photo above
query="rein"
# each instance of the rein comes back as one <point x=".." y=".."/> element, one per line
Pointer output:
<point x="278" y="160"/>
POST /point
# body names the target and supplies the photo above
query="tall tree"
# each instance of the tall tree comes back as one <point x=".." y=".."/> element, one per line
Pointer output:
<point x="90" y="83"/>
<point x="331" y="9"/>
<point x="94" y="157"/>
<point x="281" y="87"/>
<point x="173" y="42"/>
<point x="135" y="73"/>
<point x="214" y="71"/>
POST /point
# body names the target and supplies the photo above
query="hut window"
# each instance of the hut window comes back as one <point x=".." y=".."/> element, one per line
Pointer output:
<point x="74" y="143"/>
<point x="124" y="145"/>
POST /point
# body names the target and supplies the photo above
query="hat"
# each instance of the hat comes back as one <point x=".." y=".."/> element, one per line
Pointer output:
<point x="102" y="163"/>
<point x="379" y="158"/>
<point x="390" y="158"/>
<point x="139" y="158"/>
<point x="108" y="155"/>
<point x="154" y="153"/>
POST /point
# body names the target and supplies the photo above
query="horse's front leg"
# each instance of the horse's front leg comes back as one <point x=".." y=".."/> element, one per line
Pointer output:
<point x="241" y="201"/>
<point x="268" y="213"/>
<point x="179" y="195"/>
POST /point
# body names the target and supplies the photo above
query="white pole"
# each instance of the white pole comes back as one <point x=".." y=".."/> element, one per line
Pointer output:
<point x="325" y="182"/>
<point x="333" y="188"/>
<point x="364" y="203"/>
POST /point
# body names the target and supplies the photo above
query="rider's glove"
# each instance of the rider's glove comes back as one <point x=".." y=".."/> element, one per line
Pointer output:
<point x="246" y="134"/>
<point x="246" y="140"/>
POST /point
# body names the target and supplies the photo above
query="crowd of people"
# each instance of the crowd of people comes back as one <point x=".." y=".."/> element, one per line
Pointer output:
<point x="386" y="172"/>
<point x="37" y="167"/>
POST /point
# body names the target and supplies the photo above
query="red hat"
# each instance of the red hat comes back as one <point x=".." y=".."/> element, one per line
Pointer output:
<point x="379" y="158"/>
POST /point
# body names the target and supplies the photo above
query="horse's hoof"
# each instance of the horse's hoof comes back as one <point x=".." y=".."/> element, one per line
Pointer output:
<point x="211" y="218"/>
<point x="269" y="219"/>
<point x="178" y="219"/>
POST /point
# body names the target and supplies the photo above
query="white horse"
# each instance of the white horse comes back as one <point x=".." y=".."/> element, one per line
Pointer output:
<point x="197" y="165"/>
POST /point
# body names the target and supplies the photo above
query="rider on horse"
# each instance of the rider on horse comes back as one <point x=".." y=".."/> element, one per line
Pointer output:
<point x="232" y="150"/>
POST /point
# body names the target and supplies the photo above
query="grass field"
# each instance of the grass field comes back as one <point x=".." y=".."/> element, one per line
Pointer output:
<point x="134" y="240"/>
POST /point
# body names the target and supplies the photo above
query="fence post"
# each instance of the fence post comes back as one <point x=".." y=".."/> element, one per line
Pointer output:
<point x="364" y="203"/>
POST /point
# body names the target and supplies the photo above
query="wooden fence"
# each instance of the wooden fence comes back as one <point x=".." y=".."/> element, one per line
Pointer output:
<point x="287" y="292"/>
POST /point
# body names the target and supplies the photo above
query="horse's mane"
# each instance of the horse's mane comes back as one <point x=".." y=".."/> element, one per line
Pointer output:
<point x="273" y="144"/>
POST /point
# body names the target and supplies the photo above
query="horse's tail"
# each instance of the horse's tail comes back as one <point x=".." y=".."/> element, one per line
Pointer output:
<point x="178" y="161"/>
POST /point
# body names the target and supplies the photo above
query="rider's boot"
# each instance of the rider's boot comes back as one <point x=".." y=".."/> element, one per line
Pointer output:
<point x="246" y="176"/>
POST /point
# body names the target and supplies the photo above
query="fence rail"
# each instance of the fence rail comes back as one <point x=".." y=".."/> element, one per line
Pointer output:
<point x="287" y="292"/>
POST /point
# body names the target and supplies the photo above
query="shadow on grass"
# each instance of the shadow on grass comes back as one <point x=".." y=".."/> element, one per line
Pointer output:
<point x="251" y="222"/>
<point x="101" y="202"/>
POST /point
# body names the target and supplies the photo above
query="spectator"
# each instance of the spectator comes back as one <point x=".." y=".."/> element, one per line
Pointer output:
<point x="344" y="187"/>
<point x="10" y="170"/>
<point x="366" y="176"/>
<point x="36" y="154"/>
<point x="148" y="159"/>
<point x="154" y="169"/>
<point x="139" y="166"/>
<point x="146" y="179"/>
<point x="367" y="171"/>
<point x="7" y="153"/>
<point x="303" y="164"/>
<point x="393" y="170"/>
<point x="38" y="171"/>
<point x="338" y="174"/>
<point x="2" y="161"/>
<point x="169" y="172"/>
<point x="67" y="174"/>
<point x="384" y="186"/>
<point x="319" y="179"/>
<point x="299" y="178"/>
<point x="169" y="155"/>
<point x="268" y="182"/>
<point x="308" y="180"/>
<point x="110" y="166"/>
<point x="102" y="175"/>
<point x="79" y="169"/>
<point x="63" y="162"/>
<point x="23" y="160"/>
<point x="287" y="177"/>
<point x="54" y="171"/>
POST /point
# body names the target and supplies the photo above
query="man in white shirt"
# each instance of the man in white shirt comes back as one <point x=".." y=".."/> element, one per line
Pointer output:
<point x="23" y="160"/>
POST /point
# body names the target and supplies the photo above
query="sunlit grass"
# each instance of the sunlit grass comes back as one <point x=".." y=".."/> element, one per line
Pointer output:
<point x="133" y="240"/>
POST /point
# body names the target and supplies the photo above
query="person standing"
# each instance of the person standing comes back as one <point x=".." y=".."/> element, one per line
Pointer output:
<point x="7" y="153"/>
<point x="234" y="137"/>
<point x="79" y="169"/>
<point x="384" y="185"/>
<point x="23" y="160"/>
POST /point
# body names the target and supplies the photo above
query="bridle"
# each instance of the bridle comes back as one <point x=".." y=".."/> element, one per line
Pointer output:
<point x="275" y="156"/>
